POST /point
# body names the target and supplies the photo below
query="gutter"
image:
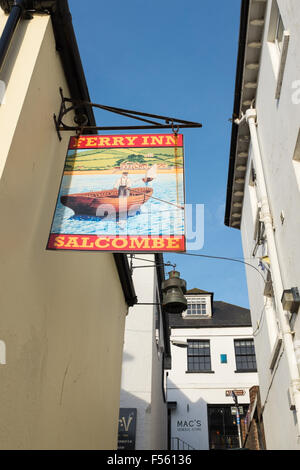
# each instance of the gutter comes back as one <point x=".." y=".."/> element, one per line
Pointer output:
<point x="67" y="47"/>
<point x="125" y="278"/>
<point x="17" y="11"/>
<point x="237" y="104"/>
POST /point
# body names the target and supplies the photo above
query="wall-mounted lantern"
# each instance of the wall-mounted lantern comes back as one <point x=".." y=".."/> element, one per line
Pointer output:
<point x="174" y="289"/>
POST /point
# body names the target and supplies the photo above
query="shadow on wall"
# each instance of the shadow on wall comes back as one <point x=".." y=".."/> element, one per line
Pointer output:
<point x="143" y="419"/>
<point x="127" y="357"/>
<point x="151" y="419"/>
<point x="188" y="426"/>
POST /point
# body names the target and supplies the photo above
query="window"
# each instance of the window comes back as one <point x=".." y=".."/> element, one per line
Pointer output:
<point x="296" y="159"/>
<point x="278" y="41"/>
<point x="276" y="27"/>
<point x="296" y="156"/>
<point x="279" y="32"/>
<point x="197" y="307"/>
<point x="245" y="355"/>
<point x="198" y="353"/>
<point x="222" y="426"/>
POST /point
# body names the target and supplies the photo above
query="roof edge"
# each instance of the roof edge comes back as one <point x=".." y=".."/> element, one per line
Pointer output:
<point x="125" y="278"/>
<point x="67" y="47"/>
<point x="193" y="327"/>
<point x="245" y="6"/>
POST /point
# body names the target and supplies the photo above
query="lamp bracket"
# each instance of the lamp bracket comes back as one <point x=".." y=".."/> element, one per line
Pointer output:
<point x="153" y="265"/>
<point x="148" y="303"/>
<point x="153" y="121"/>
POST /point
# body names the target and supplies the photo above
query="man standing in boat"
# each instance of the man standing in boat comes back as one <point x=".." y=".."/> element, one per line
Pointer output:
<point x="123" y="185"/>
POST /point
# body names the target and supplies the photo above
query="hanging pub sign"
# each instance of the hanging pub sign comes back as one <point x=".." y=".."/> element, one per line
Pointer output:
<point x="121" y="193"/>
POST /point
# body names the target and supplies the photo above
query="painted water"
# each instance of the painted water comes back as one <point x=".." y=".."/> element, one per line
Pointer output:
<point x="154" y="217"/>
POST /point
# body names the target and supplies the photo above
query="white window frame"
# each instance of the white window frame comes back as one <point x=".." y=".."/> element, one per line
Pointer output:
<point x="198" y="300"/>
<point x="200" y="360"/>
<point x="278" y="48"/>
<point x="279" y="43"/>
<point x="296" y="159"/>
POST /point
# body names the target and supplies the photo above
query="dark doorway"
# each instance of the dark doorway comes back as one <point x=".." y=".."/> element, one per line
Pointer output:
<point x="222" y="426"/>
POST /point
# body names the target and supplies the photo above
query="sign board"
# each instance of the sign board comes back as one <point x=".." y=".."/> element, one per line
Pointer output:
<point x="234" y="410"/>
<point x="127" y="428"/>
<point x="121" y="193"/>
<point x="238" y="393"/>
<point x="188" y="424"/>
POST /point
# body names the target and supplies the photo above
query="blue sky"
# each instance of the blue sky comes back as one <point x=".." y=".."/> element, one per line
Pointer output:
<point x="177" y="59"/>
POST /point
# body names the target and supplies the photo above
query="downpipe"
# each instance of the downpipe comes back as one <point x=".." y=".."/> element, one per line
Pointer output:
<point x="287" y="335"/>
<point x="12" y="22"/>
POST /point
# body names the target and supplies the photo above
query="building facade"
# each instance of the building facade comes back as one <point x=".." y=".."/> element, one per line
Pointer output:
<point x="146" y="355"/>
<point x="62" y="313"/>
<point x="212" y="355"/>
<point x="263" y="201"/>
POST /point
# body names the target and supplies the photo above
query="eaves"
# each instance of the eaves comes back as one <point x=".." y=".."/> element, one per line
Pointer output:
<point x="247" y="78"/>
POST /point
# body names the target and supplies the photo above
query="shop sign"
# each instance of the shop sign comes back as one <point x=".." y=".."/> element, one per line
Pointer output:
<point x="127" y="428"/>
<point x="121" y="193"/>
<point x="189" y="424"/>
<point x="238" y="393"/>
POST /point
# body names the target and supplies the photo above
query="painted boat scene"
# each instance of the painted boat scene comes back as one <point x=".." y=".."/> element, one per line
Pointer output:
<point x="93" y="202"/>
<point x="121" y="191"/>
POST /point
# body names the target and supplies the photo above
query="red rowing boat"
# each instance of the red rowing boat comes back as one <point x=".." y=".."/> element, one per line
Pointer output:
<point x="95" y="202"/>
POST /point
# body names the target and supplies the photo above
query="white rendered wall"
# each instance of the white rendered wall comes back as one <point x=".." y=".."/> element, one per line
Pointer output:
<point x="141" y="385"/>
<point x="194" y="391"/>
<point x="278" y="128"/>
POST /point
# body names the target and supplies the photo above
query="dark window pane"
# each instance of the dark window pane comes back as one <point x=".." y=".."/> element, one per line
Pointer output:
<point x="245" y="354"/>
<point x="198" y="355"/>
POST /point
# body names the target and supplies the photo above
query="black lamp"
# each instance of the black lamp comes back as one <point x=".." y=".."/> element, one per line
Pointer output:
<point x="174" y="289"/>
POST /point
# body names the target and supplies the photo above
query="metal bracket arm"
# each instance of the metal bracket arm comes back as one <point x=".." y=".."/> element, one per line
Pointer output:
<point x="81" y="120"/>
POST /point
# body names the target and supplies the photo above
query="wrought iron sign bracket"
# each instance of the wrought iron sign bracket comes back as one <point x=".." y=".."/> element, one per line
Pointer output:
<point x="153" y="265"/>
<point x="153" y="121"/>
